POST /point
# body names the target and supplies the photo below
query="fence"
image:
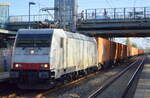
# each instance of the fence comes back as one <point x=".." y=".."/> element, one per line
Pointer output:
<point x="116" y="13"/>
<point x="25" y="18"/>
<point x="100" y="13"/>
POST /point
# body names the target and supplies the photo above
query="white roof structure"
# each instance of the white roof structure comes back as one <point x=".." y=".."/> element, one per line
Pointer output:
<point x="4" y="31"/>
<point x="4" y="4"/>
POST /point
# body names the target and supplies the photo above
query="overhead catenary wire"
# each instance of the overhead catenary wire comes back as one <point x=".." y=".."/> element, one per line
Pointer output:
<point x="109" y="4"/>
<point x="134" y="3"/>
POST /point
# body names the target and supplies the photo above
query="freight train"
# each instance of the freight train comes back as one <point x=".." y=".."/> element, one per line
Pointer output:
<point x="50" y="55"/>
<point x="110" y="52"/>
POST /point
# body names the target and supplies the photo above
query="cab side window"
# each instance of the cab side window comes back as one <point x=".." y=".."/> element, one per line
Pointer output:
<point x="61" y="42"/>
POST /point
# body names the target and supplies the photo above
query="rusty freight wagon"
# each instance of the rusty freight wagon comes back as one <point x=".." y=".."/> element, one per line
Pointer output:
<point x="110" y="52"/>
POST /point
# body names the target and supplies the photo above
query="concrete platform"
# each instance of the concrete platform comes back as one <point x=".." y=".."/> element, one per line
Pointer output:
<point x="4" y="76"/>
<point x="143" y="87"/>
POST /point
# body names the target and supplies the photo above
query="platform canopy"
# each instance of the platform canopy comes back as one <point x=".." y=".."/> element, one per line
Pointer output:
<point x="4" y="31"/>
<point x="4" y="4"/>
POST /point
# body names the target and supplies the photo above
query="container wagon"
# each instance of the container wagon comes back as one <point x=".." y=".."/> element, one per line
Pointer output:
<point x="111" y="52"/>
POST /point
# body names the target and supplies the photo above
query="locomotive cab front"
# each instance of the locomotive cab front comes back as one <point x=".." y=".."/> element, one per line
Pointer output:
<point x="31" y="56"/>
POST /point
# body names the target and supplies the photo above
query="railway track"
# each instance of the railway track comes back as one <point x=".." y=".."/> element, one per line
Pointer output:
<point x="67" y="87"/>
<point x="118" y="86"/>
<point x="10" y="91"/>
<point x="40" y="94"/>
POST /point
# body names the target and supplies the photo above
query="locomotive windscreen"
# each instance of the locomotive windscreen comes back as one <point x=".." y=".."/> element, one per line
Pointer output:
<point x="33" y="40"/>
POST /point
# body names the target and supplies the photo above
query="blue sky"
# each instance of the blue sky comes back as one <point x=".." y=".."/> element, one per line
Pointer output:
<point x="20" y="7"/>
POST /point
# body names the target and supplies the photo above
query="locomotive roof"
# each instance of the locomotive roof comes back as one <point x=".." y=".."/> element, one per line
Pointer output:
<point x="35" y="31"/>
<point x="58" y="31"/>
<point x="78" y="36"/>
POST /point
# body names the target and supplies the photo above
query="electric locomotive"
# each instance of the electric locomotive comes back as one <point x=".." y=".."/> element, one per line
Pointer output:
<point x="45" y="55"/>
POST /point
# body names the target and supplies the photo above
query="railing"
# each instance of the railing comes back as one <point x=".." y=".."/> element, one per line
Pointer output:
<point x="101" y="14"/>
<point x="116" y="13"/>
<point x="25" y="18"/>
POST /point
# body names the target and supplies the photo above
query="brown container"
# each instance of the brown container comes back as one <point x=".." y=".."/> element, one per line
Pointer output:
<point x="104" y="54"/>
<point x="113" y="51"/>
<point x="109" y="51"/>
<point x="119" y="51"/>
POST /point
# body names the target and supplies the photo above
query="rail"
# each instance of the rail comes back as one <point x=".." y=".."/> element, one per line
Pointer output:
<point x="113" y="79"/>
<point x="65" y="86"/>
<point x="42" y="93"/>
<point x="140" y="68"/>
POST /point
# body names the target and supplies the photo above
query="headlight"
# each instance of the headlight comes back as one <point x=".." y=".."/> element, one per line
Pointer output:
<point x="18" y="65"/>
<point x="44" y="65"/>
<point x="32" y="52"/>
